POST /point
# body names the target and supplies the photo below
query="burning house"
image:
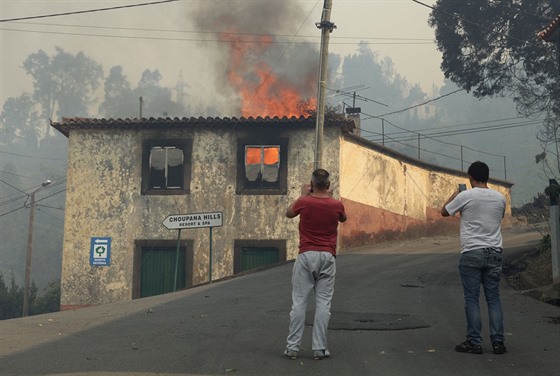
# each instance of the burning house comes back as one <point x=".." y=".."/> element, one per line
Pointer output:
<point x="126" y="177"/>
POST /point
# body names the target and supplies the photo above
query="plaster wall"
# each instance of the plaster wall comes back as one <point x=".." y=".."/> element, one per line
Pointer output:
<point x="104" y="200"/>
<point x="388" y="197"/>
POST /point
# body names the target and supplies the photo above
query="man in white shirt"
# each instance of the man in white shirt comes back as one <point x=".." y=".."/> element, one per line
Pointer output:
<point x="482" y="210"/>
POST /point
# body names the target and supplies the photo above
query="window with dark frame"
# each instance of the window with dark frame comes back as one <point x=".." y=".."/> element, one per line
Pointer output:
<point x="262" y="167"/>
<point x="166" y="166"/>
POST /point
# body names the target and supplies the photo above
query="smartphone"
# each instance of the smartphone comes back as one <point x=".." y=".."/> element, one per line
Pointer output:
<point x="462" y="187"/>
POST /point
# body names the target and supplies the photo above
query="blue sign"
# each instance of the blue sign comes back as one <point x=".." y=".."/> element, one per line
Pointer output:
<point x="100" y="253"/>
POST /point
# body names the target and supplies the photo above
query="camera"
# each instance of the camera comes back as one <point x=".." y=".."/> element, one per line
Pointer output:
<point x="462" y="187"/>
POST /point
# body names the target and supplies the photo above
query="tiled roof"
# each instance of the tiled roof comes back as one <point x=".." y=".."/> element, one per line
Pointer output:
<point x="552" y="31"/>
<point x="68" y="124"/>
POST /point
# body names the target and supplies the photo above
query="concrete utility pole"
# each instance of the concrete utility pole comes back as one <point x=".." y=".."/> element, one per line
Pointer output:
<point x="326" y="27"/>
<point x="30" y="249"/>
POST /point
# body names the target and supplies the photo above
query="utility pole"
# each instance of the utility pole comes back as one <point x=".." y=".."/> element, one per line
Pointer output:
<point x="326" y="27"/>
<point x="30" y="249"/>
<point x="553" y="191"/>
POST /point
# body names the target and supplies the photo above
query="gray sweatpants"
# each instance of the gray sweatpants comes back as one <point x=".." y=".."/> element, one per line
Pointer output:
<point x="312" y="270"/>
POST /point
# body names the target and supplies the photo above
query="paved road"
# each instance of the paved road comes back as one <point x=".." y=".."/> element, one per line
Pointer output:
<point x="397" y="311"/>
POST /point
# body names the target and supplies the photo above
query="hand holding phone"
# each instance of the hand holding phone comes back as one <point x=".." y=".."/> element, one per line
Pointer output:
<point x="462" y="187"/>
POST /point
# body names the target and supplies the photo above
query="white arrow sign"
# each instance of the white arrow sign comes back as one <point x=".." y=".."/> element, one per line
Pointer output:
<point x="195" y="220"/>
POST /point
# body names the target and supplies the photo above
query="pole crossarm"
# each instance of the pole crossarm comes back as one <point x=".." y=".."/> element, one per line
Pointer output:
<point x="326" y="25"/>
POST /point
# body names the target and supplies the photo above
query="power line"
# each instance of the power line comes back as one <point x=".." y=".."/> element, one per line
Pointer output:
<point x="32" y="156"/>
<point x="47" y="214"/>
<point x="354" y="95"/>
<point x="411" y="107"/>
<point x="459" y="131"/>
<point x="23" y="206"/>
<point x="450" y="133"/>
<point x="9" y="185"/>
<point x="463" y="125"/>
<point x="86" y="11"/>
<point x="10" y="200"/>
<point x="19" y="176"/>
<point x="211" y="40"/>
<point x="219" y="32"/>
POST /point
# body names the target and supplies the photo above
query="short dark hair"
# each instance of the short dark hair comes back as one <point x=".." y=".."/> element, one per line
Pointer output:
<point x="479" y="171"/>
<point x="320" y="178"/>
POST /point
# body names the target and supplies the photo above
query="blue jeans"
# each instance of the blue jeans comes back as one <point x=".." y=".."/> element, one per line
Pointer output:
<point x="482" y="267"/>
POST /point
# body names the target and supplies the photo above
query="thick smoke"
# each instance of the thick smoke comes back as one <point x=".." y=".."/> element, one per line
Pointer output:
<point x="258" y="57"/>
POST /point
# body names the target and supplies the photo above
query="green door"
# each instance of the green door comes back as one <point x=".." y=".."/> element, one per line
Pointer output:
<point x="158" y="270"/>
<point x="254" y="257"/>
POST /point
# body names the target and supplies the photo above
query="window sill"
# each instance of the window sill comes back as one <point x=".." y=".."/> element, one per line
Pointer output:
<point x="165" y="192"/>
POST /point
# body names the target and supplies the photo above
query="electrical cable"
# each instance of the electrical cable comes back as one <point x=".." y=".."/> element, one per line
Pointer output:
<point x="9" y="185"/>
<point x="86" y="11"/>
<point x="31" y="156"/>
<point x="41" y="199"/>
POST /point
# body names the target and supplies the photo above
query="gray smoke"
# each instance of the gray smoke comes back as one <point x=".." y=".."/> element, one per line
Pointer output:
<point x="290" y="60"/>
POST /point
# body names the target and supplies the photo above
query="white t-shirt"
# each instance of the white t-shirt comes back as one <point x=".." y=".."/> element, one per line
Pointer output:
<point x="482" y="210"/>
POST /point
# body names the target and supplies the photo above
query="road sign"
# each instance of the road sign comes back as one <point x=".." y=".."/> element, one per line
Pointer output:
<point x="195" y="220"/>
<point x="100" y="251"/>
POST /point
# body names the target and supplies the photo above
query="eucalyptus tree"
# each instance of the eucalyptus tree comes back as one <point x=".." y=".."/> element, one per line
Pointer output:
<point x="492" y="48"/>
<point x="63" y="84"/>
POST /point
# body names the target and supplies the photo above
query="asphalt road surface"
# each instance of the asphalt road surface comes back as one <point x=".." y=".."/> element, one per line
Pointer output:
<point x="397" y="310"/>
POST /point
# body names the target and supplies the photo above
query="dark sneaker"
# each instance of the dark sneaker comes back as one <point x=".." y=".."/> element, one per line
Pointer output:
<point x="468" y="347"/>
<point x="498" y="347"/>
<point x="321" y="354"/>
<point x="290" y="354"/>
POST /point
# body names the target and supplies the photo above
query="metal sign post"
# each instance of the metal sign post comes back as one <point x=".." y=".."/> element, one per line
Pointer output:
<point x="177" y="260"/>
<point x="194" y="220"/>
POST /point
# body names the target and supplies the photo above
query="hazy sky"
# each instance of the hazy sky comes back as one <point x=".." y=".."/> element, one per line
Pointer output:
<point x="161" y="36"/>
<point x="169" y="37"/>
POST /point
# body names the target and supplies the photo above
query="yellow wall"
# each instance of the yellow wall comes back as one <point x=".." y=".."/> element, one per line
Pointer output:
<point x="386" y="195"/>
<point x="104" y="200"/>
<point x="390" y="196"/>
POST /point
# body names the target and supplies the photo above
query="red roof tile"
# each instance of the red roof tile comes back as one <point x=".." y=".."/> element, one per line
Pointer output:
<point x="68" y="124"/>
<point x="552" y="31"/>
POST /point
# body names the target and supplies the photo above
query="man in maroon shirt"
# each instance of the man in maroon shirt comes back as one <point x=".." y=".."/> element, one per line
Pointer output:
<point x="315" y="265"/>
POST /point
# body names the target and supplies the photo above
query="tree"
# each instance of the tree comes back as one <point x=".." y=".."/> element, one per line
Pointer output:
<point x="119" y="101"/>
<point x="156" y="99"/>
<point x="19" y="120"/>
<point x="11" y="299"/>
<point x="491" y="48"/>
<point x="50" y="300"/>
<point x="63" y="84"/>
<point x="123" y="101"/>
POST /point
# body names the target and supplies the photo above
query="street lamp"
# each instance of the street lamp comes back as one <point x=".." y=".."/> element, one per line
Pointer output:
<point x="30" y="248"/>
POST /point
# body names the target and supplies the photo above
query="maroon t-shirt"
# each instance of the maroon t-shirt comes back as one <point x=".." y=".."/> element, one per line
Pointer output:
<point x="318" y="223"/>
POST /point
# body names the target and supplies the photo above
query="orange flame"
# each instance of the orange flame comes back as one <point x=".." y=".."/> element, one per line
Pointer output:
<point x="263" y="93"/>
